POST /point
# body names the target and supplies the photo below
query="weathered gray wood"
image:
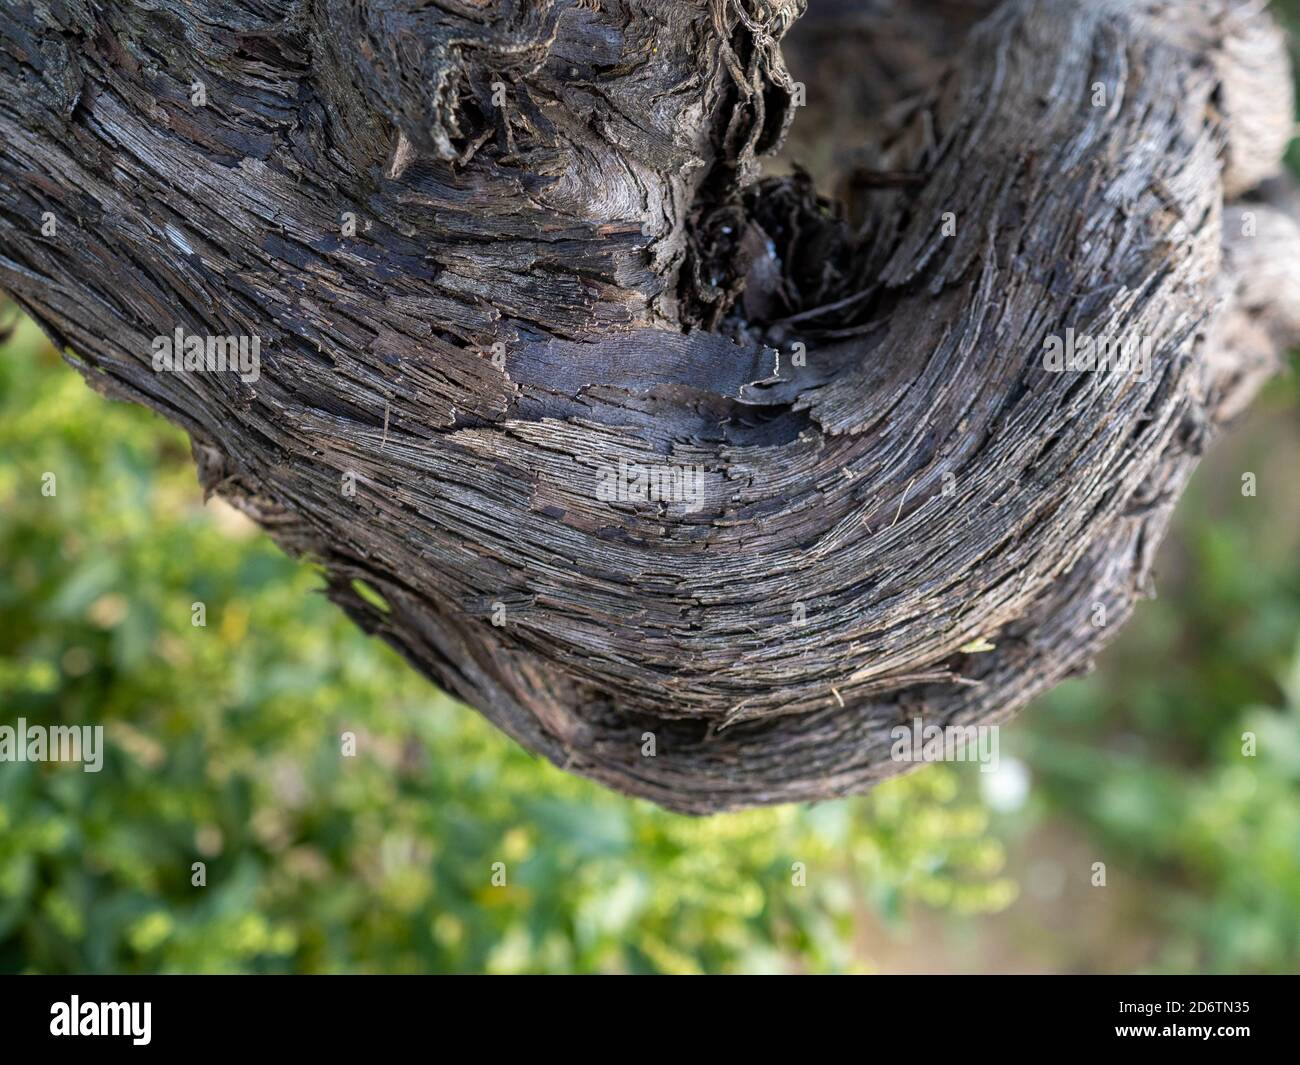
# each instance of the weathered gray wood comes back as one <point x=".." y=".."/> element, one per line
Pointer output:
<point x="565" y="258"/>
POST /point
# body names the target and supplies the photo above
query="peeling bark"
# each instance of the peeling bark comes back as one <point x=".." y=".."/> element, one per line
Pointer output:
<point x="565" y="258"/>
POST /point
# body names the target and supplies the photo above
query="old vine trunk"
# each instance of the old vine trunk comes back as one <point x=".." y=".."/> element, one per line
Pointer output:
<point x="498" y="252"/>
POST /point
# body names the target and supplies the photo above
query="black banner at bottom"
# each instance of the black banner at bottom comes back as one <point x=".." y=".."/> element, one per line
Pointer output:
<point x="341" y="1014"/>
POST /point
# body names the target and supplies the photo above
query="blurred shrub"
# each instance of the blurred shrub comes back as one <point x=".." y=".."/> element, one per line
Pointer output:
<point x="224" y="746"/>
<point x="1180" y="757"/>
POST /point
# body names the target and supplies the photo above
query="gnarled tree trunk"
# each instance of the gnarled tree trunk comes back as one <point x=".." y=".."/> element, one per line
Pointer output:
<point x="500" y="253"/>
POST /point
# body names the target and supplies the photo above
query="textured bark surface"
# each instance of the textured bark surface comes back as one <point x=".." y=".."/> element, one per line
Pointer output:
<point x="566" y="257"/>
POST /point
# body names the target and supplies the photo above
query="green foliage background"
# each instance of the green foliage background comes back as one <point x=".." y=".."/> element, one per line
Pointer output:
<point x="224" y="746"/>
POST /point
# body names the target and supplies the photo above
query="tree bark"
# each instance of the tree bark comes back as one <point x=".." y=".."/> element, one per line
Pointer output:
<point x="565" y="258"/>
